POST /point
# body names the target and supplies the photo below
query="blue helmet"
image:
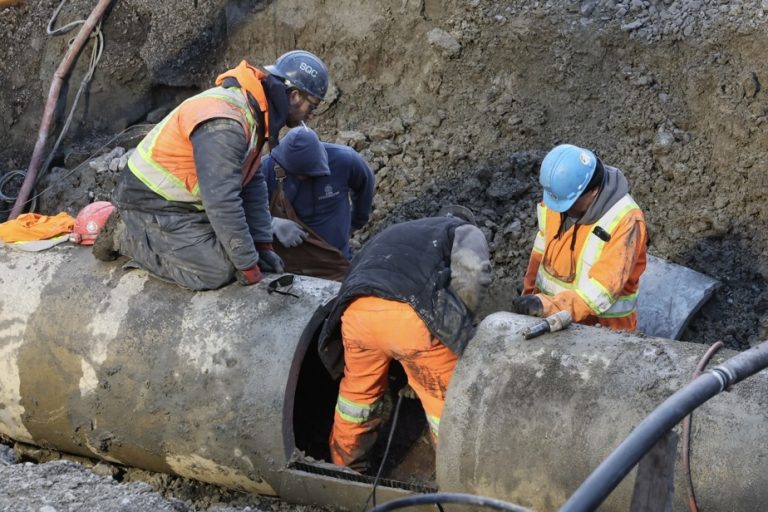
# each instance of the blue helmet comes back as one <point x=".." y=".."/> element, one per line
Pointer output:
<point x="565" y="174"/>
<point x="303" y="70"/>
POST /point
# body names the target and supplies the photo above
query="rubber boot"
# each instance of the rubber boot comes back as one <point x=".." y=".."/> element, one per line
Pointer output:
<point x="107" y="244"/>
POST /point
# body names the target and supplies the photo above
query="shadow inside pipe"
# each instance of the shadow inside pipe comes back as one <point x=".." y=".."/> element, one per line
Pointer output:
<point x="411" y="457"/>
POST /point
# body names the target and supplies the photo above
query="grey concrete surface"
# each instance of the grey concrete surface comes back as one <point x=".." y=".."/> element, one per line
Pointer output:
<point x="112" y="364"/>
<point x="528" y="421"/>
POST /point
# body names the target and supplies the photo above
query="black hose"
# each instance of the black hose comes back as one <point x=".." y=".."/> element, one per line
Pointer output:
<point x="686" y="455"/>
<point x="448" y="497"/>
<point x="386" y="453"/>
<point x="618" y="464"/>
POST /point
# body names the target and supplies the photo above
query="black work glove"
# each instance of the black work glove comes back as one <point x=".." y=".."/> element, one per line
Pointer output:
<point x="269" y="261"/>
<point x="528" y="305"/>
<point x="248" y="276"/>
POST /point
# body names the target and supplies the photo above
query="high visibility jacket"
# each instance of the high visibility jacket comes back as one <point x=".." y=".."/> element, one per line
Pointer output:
<point x="591" y="270"/>
<point x="164" y="160"/>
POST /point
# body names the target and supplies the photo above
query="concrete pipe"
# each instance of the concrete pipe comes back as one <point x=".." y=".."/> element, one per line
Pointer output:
<point x="112" y="364"/>
<point x="224" y="387"/>
<point x="544" y="413"/>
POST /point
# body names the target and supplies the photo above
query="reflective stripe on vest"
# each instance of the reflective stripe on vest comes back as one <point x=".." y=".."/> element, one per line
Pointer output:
<point x="159" y="179"/>
<point x="590" y="290"/>
<point x="538" y="244"/>
<point x="355" y="412"/>
<point x="434" y="424"/>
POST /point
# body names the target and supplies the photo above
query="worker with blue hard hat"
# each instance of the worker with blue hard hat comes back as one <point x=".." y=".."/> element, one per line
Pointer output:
<point x="590" y="248"/>
<point x="192" y="208"/>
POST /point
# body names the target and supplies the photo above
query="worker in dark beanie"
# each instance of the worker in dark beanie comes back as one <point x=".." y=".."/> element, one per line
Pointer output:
<point x="320" y="193"/>
<point x="590" y="249"/>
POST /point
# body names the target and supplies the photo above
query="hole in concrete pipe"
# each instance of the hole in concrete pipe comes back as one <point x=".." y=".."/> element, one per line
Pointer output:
<point x="411" y="457"/>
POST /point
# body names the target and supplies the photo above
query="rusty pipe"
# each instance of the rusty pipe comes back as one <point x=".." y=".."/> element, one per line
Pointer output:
<point x="50" y="105"/>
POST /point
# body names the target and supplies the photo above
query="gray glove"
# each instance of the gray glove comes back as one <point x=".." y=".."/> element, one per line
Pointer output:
<point x="270" y="261"/>
<point x="115" y="160"/>
<point x="288" y="232"/>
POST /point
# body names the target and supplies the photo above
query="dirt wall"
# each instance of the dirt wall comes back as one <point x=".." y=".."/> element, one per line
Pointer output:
<point x="453" y="100"/>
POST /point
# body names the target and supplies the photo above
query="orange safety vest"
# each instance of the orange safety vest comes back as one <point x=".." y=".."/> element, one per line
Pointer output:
<point x="596" y="278"/>
<point x="164" y="160"/>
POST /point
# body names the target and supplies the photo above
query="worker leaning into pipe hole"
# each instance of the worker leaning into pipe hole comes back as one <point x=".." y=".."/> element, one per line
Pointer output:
<point x="590" y="249"/>
<point x="411" y="294"/>
<point x="192" y="206"/>
<point x="319" y="194"/>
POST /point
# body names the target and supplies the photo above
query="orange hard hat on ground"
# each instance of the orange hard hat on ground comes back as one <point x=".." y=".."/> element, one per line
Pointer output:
<point x="90" y="221"/>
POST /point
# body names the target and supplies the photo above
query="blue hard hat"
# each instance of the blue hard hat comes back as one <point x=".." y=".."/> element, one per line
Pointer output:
<point x="303" y="70"/>
<point x="565" y="174"/>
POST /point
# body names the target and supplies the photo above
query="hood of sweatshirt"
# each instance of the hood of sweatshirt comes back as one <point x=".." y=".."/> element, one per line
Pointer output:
<point x="301" y="153"/>
<point x="615" y="186"/>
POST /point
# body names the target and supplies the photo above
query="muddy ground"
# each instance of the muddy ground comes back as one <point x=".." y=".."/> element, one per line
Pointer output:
<point x="457" y="101"/>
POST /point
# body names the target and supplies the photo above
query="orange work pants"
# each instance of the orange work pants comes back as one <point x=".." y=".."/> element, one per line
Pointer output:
<point x="375" y="331"/>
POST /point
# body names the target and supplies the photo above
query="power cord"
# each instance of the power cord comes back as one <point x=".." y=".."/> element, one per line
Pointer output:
<point x="145" y="127"/>
<point x="448" y="497"/>
<point x="693" y="505"/>
<point x="386" y="453"/>
<point x="372" y="496"/>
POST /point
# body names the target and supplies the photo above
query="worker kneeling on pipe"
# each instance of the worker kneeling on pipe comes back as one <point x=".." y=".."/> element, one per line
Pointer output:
<point x="192" y="205"/>
<point x="589" y="252"/>
<point x="411" y="294"/>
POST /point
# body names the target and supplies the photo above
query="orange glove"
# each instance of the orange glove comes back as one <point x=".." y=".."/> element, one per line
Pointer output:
<point x="248" y="276"/>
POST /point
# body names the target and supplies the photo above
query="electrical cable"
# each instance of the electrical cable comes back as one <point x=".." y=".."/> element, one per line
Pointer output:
<point x="4" y="179"/>
<point x="448" y="497"/>
<point x="96" y="53"/>
<point x="620" y="462"/>
<point x="146" y="127"/>
<point x="61" y="30"/>
<point x="386" y="453"/>
<point x="693" y="506"/>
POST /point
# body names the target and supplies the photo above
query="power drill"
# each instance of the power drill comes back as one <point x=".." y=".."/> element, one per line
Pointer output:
<point x="553" y="323"/>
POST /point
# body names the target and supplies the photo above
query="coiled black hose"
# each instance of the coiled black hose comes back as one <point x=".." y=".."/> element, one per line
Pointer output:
<point x="618" y="464"/>
<point x="448" y="497"/>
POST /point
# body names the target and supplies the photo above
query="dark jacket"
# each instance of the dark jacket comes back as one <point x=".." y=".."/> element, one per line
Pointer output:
<point x="408" y="262"/>
<point x="322" y="201"/>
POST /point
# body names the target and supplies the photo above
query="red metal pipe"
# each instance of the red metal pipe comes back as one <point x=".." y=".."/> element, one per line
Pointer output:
<point x="50" y="105"/>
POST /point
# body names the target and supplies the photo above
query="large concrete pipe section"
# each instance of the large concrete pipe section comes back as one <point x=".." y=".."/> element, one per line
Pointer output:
<point x="223" y="387"/>
<point x="543" y="413"/>
<point x="112" y="364"/>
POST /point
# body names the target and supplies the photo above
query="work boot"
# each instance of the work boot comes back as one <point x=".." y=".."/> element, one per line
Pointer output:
<point x="107" y="244"/>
